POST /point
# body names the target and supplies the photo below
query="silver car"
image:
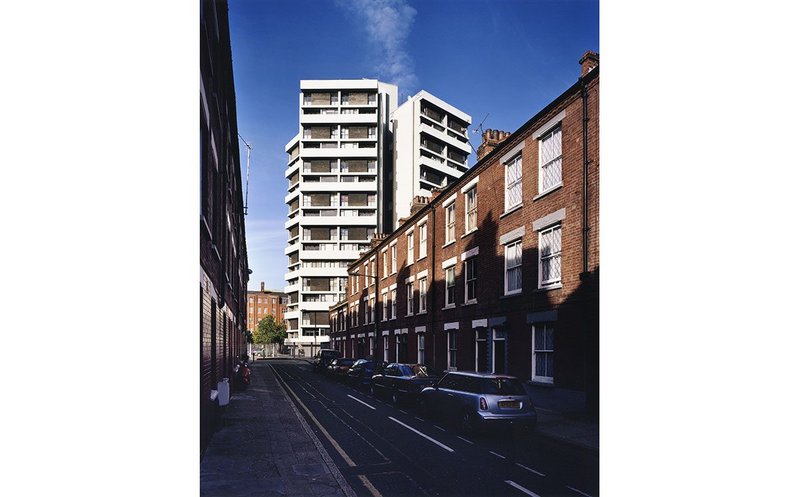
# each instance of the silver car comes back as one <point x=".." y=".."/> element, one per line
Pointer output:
<point x="476" y="400"/>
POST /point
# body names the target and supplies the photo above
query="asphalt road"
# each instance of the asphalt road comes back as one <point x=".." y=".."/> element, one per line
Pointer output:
<point x="389" y="451"/>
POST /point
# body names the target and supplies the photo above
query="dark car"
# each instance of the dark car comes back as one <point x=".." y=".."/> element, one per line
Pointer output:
<point x="323" y="358"/>
<point x="403" y="381"/>
<point x="360" y="373"/>
<point x="338" y="367"/>
<point x="476" y="400"/>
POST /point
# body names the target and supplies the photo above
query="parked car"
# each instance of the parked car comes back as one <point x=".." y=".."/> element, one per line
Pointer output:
<point x="323" y="358"/>
<point x="403" y="381"/>
<point x="477" y="400"/>
<point x="338" y="367"/>
<point x="360" y="373"/>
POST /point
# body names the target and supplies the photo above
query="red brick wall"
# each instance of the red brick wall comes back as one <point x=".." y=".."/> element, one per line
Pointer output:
<point x="576" y="301"/>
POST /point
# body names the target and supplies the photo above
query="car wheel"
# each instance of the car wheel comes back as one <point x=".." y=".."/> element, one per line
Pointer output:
<point x="372" y="390"/>
<point x="467" y="422"/>
<point x="395" y="398"/>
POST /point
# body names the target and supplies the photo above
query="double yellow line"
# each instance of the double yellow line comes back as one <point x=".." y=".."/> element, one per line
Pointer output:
<point x="341" y="452"/>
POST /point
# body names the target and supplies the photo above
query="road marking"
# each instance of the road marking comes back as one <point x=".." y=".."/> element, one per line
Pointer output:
<point x="369" y="486"/>
<point x="417" y="417"/>
<point x="498" y="455"/>
<point x="440" y="428"/>
<point x="581" y="493"/>
<point x="362" y="402"/>
<point x="530" y="469"/>
<point x="467" y="441"/>
<point x="321" y="428"/>
<point x="519" y="487"/>
<point x="403" y="412"/>
<point x="422" y="434"/>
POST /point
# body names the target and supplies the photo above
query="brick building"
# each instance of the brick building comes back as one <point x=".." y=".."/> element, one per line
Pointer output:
<point x="223" y="252"/>
<point x="263" y="302"/>
<point x="498" y="272"/>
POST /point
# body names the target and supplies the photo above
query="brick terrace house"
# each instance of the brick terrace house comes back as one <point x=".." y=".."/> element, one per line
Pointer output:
<point x="223" y="252"/>
<point x="263" y="302"/>
<point x="499" y="272"/>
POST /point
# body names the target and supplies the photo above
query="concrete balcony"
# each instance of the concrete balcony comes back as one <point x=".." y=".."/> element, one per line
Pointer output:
<point x="312" y="153"/>
<point x="293" y="167"/>
<point x="338" y="119"/>
<point x="329" y="255"/>
<point x="316" y="306"/>
<point x="445" y="138"/>
<point x="292" y="195"/>
<point x="443" y="168"/>
<point x="291" y="222"/>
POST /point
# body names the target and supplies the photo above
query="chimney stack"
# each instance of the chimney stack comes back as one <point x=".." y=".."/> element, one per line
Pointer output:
<point x="262" y="286"/>
<point x="491" y="139"/>
<point x="418" y="204"/>
<point x="589" y="61"/>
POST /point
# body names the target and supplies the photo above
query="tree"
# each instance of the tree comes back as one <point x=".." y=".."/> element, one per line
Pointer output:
<point x="269" y="331"/>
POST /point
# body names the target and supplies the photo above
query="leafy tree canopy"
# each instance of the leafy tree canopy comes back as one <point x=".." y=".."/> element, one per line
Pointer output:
<point x="269" y="331"/>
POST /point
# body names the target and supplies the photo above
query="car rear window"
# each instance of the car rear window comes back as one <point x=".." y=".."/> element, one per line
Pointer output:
<point x="422" y="371"/>
<point x="502" y="386"/>
<point x="345" y="362"/>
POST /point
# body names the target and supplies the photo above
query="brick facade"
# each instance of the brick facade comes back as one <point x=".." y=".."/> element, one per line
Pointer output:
<point x="223" y="252"/>
<point x="263" y="302"/>
<point x="563" y="313"/>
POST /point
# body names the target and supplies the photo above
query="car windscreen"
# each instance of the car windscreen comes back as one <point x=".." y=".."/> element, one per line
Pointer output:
<point x="502" y="386"/>
<point x="345" y="362"/>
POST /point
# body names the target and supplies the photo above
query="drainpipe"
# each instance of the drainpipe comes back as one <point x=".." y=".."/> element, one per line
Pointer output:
<point x="433" y="312"/>
<point x="586" y="228"/>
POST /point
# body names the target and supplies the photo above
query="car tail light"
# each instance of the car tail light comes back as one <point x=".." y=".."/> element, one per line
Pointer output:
<point x="483" y="404"/>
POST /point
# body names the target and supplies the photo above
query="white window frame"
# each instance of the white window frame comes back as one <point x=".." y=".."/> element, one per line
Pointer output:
<point x="357" y="282"/>
<point x="550" y="135"/>
<point x="420" y="348"/>
<point x="385" y="348"/>
<point x="551" y="282"/>
<point x="509" y="245"/>
<point x="410" y="248"/>
<point x="409" y="299"/>
<point x="538" y="349"/>
<point x="422" y="295"/>
<point x="469" y="227"/>
<point x="466" y="280"/>
<point x="393" y="303"/>
<point x="452" y="349"/>
<point x="514" y="162"/>
<point x="385" y="263"/>
<point x="393" y="258"/>
<point x="447" y="286"/>
<point x="477" y="341"/>
<point x="450" y="223"/>
<point x="385" y="306"/>
<point x="422" y="240"/>
<point x="494" y="340"/>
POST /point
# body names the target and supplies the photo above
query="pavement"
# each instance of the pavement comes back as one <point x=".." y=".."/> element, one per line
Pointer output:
<point x="264" y="447"/>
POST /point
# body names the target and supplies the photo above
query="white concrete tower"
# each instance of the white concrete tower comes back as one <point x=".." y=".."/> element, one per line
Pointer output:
<point x="431" y="149"/>
<point x="336" y="170"/>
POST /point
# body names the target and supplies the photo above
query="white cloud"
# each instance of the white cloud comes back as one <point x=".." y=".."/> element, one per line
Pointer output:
<point x="388" y="24"/>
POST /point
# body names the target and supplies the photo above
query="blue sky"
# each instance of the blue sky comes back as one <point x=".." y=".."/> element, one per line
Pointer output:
<point x="501" y="59"/>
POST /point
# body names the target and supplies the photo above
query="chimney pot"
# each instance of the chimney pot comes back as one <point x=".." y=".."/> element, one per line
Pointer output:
<point x="491" y="140"/>
<point x="262" y="286"/>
